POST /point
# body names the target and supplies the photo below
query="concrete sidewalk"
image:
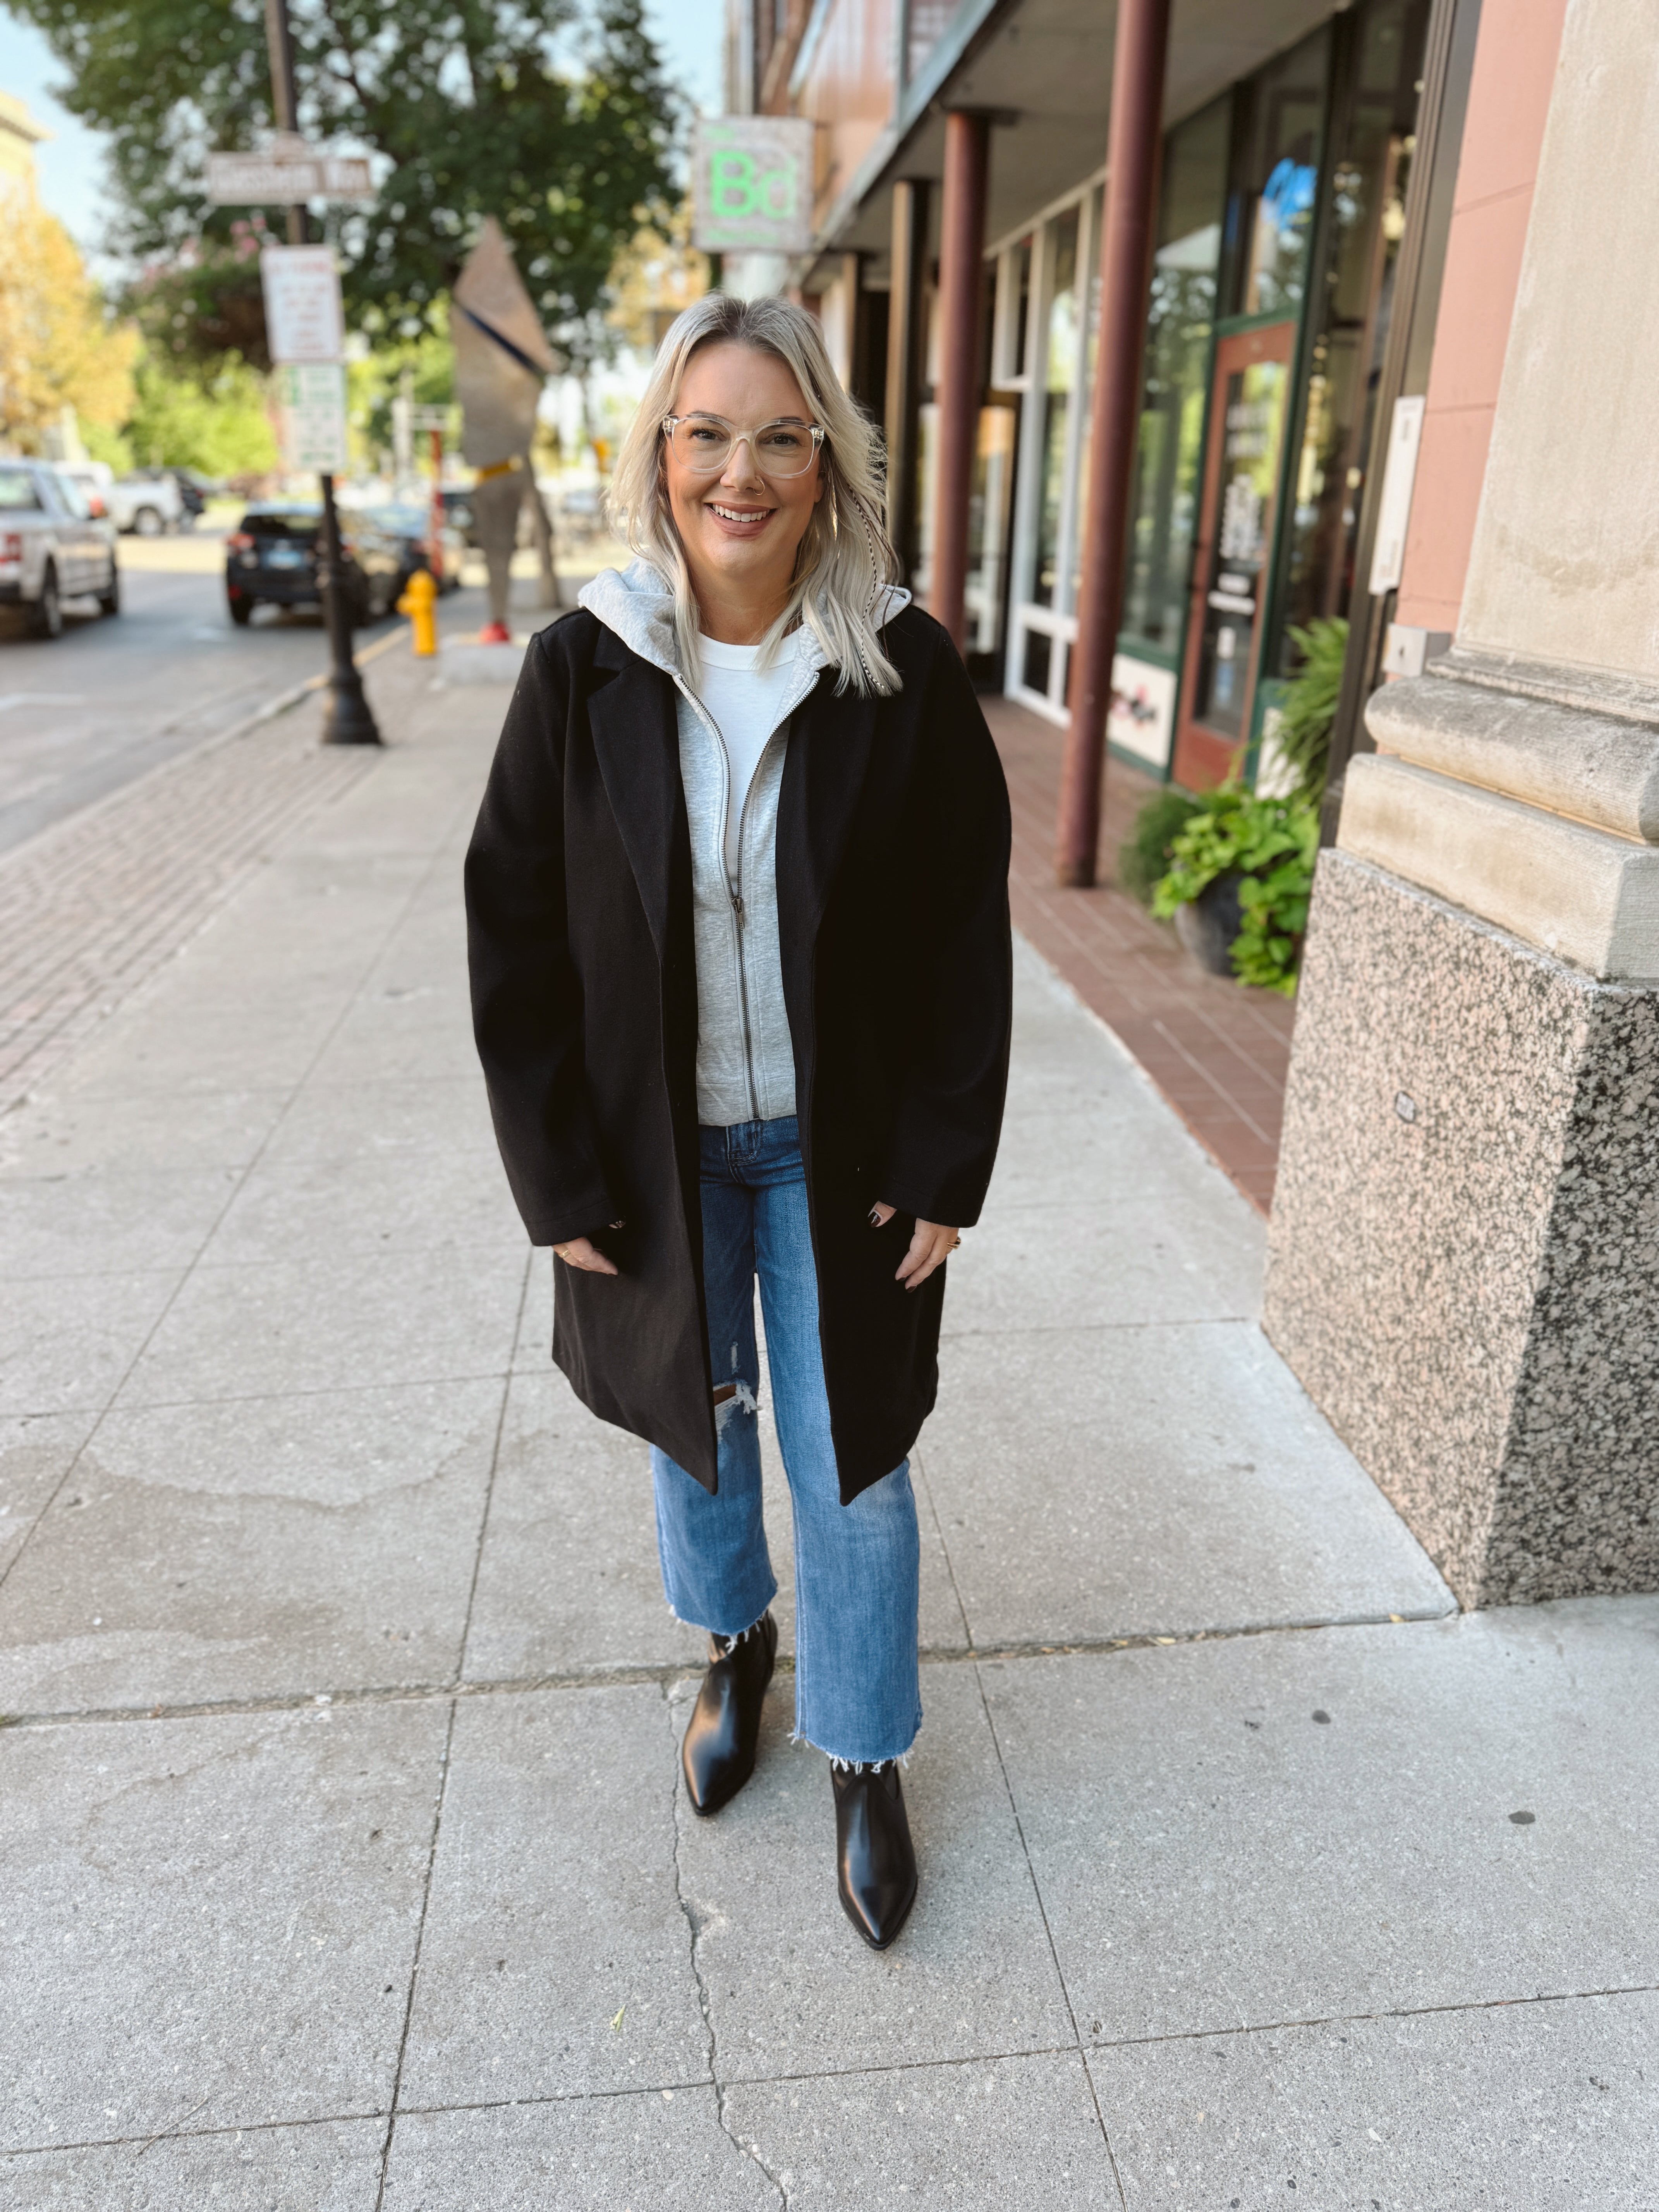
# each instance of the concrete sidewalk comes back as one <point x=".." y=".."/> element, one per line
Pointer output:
<point x="345" y="1860"/>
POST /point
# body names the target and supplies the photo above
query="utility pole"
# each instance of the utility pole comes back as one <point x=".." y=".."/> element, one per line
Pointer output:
<point x="346" y="717"/>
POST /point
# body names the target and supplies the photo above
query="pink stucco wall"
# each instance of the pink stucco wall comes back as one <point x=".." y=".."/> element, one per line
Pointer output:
<point x="1515" y="59"/>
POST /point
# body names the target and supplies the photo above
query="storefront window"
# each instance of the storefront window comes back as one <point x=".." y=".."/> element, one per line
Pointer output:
<point x="1021" y="331"/>
<point x="1370" y="160"/>
<point x="1086" y="398"/>
<point x="1163" y="514"/>
<point x="1275" y="182"/>
<point x="1252" y="403"/>
<point x="1060" y="367"/>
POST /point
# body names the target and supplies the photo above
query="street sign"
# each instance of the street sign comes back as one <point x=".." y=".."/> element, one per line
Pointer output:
<point x="288" y="173"/>
<point x="303" y="317"/>
<point x="752" y="184"/>
<point x="311" y="417"/>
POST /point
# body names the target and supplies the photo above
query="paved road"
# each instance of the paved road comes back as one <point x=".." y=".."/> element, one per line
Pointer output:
<point x="85" y="713"/>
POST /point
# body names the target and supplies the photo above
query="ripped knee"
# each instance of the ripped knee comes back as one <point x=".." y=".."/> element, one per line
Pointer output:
<point x="729" y="1397"/>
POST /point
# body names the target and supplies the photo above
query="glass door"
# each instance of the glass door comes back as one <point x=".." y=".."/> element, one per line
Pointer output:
<point x="1232" y="558"/>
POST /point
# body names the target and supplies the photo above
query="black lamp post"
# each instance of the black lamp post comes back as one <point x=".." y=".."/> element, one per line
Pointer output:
<point x="347" y="720"/>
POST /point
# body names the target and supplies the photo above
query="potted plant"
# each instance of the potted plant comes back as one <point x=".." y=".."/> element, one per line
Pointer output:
<point x="1241" y="865"/>
<point x="1238" y="883"/>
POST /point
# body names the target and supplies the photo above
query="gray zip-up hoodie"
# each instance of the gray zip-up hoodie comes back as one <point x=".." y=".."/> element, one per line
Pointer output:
<point x="746" y="1058"/>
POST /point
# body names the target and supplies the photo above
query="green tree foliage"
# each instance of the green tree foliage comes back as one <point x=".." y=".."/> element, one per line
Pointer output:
<point x="429" y="362"/>
<point x="215" y="421"/>
<point x="554" y="117"/>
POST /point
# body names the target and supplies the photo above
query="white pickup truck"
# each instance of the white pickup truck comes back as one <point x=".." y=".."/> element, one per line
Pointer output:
<point x="146" y="503"/>
<point x="52" y="547"/>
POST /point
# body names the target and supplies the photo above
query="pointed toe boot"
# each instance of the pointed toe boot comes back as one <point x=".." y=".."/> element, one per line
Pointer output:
<point x="875" y="1859"/>
<point x="718" y="1751"/>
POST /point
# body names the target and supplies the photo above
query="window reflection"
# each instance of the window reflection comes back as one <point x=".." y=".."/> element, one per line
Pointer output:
<point x="1164" y="510"/>
<point x="1275" y="181"/>
<point x="1370" y="165"/>
<point x="1060" y="374"/>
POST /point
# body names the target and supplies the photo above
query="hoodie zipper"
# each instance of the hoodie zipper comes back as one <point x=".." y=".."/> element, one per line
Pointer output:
<point x="734" y="890"/>
<point x="739" y="911"/>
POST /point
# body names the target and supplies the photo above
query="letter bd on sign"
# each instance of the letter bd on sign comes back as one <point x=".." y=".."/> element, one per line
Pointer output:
<point x="752" y="184"/>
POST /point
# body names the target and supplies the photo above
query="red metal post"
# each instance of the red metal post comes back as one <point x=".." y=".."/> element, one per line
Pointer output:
<point x="1143" y="36"/>
<point x="436" y="520"/>
<point x="961" y="291"/>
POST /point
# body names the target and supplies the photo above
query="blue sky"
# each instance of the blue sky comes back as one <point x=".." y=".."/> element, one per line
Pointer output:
<point x="70" y="161"/>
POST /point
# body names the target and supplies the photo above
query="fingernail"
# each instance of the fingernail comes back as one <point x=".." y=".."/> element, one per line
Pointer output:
<point x="874" y="1218"/>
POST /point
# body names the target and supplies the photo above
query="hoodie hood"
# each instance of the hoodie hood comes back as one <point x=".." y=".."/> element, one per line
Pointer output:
<point x="637" y="603"/>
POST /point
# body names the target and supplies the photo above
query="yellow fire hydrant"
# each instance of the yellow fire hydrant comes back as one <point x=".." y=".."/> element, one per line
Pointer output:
<point x="420" y="602"/>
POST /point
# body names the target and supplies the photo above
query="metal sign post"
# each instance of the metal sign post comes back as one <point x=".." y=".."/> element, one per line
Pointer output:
<point x="308" y="339"/>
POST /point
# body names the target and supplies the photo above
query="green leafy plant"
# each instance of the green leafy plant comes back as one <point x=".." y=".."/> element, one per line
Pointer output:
<point x="1302" y="735"/>
<point x="1145" y="854"/>
<point x="1271" y="845"/>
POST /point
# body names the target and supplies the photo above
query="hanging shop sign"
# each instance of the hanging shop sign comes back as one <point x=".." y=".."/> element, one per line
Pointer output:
<point x="752" y="184"/>
<point x="287" y="172"/>
<point x="311" y="417"/>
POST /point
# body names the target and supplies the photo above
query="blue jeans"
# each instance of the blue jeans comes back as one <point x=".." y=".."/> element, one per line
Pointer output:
<point x="858" y="1686"/>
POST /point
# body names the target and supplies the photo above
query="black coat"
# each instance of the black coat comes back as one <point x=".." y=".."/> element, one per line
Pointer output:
<point x="892" y="868"/>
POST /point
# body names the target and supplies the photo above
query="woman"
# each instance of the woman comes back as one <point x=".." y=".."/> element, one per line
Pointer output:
<point x="739" y="921"/>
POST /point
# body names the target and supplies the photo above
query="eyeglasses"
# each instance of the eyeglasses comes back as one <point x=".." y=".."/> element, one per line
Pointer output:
<point x="703" y="444"/>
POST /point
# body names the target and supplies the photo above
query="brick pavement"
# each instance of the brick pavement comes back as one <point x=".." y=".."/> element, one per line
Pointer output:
<point x="92" y="908"/>
<point x="1217" y="1051"/>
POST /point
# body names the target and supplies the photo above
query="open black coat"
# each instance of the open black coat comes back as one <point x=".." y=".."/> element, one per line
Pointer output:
<point x="892" y="868"/>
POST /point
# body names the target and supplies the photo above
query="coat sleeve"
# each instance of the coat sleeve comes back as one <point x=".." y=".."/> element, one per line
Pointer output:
<point x="526" y="994"/>
<point x="944" y="1140"/>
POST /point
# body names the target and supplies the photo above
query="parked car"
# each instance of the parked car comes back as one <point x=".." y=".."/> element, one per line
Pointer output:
<point x="194" y="490"/>
<point x="273" y="555"/>
<point x="410" y="527"/>
<point x="94" y="478"/>
<point x="457" y="506"/>
<point x="147" y="503"/>
<point x="52" y="547"/>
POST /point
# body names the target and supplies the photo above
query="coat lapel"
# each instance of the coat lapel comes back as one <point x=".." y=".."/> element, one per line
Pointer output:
<point x="823" y="777"/>
<point x="636" y="739"/>
<point x="823" y="773"/>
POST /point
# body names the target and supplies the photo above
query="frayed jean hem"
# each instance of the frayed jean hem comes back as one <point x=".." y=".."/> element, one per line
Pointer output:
<point x="858" y="1765"/>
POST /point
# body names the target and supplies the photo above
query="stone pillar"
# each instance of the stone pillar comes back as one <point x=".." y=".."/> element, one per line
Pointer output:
<point x="1464" y="1255"/>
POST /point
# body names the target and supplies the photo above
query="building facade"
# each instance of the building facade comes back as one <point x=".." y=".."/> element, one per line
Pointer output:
<point x="1289" y="135"/>
<point x="1380" y="292"/>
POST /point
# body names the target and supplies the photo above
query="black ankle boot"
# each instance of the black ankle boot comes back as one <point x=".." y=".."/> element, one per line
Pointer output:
<point x="718" y="1752"/>
<point x="875" y="1859"/>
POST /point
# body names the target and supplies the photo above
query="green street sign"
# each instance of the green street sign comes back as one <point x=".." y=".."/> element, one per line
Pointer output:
<point x="752" y="184"/>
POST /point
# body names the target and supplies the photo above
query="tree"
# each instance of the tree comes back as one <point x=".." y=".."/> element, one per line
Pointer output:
<point x="556" y="120"/>
<point x="58" y="347"/>
<point x="217" y="422"/>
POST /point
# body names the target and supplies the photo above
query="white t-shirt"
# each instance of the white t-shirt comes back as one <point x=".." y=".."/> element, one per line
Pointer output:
<point x="746" y="705"/>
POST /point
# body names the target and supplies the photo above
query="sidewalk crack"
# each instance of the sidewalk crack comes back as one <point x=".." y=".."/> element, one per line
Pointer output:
<point x="696" y="1921"/>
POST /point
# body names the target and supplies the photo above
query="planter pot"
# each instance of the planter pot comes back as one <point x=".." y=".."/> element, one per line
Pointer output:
<point x="1207" y="925"/>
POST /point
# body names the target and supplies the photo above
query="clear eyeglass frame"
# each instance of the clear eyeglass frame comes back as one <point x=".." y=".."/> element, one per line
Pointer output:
<point x="709" y="459"/>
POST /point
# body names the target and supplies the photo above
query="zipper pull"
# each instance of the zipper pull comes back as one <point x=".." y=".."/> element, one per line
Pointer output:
<point x="737" y="904"/>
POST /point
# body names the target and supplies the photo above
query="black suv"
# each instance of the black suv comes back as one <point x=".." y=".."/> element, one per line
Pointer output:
<point x="275" y="553"/>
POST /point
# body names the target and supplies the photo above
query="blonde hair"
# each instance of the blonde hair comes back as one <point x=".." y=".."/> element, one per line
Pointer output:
<point x="845" y="561"/>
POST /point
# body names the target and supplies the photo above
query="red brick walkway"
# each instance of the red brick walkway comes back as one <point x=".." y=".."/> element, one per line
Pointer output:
<point x="1217" y="1051"/>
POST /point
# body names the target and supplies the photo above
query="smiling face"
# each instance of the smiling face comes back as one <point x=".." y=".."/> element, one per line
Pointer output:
<point x="741" y="530"/>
